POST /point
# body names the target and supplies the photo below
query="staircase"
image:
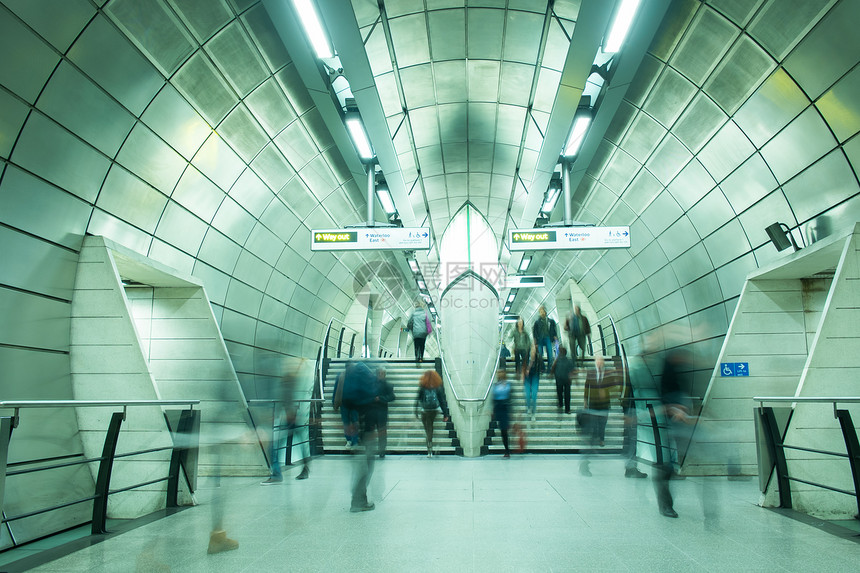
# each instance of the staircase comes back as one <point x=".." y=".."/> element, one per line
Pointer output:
<point x="405" y="432"/>
<point x="553" y="431"/>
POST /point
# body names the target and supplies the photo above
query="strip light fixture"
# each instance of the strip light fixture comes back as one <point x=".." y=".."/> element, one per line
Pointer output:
<point x="358" y="135"/>
<point x="620" y="26"/>
<point x="311" y="22"/>
<point x="577" y="134"/>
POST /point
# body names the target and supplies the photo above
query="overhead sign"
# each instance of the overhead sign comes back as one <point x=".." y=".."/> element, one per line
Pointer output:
<point x="521" y="281"/>
<point x="569" y="238"/>
<point x="371" y="238"/>
<point x="728" y="369"/>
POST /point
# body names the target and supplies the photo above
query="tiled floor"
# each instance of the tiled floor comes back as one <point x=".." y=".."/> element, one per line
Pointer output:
<point x="530" y="513"/>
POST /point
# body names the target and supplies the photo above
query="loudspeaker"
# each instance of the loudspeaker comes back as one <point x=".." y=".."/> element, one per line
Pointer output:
<point x="778" y="236"/>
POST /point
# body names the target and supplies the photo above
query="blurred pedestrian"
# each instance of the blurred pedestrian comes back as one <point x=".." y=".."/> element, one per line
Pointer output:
<point x="563" y="369"/>
<point x="348" y="416"/>
<point x="596" y="399"/>
<point x="379" y="411"/>
<point x="429" y="403"/>
<point x="359" y="394"/>
<point x="631" y="430"/>
<point x="285" y="413"/>
<point x="579" y="331"/>
<point x="531" y="381"/>
<point x="522" y="345"/>
<point x="419" y="325"/>
<point x="542" y="333"/>
<point x="502" y="407"/>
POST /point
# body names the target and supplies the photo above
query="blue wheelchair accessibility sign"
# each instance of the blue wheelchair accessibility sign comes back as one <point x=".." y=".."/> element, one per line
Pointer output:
<point x="728" y="369"/>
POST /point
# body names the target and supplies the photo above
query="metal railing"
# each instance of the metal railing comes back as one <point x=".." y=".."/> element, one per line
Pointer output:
<point x="665" y="450"/>
<point x="188" y="424"/>
<point x="770" y="433"/>
<point x="278" y="429"/>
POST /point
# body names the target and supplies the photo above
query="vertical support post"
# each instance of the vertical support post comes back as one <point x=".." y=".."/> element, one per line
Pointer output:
<point x="288" y="454"/>
<point x="777" y="454"/>
<point x="565" y="188"/>
<point x="371" y="189"/>
<point x="103" y="480"/>
<point x="655" y="428"/>
<point x="853" y="448"/>
<point x="602" y="340"/>
<point x="180" y="448"/>
<point x="5" y="436"/>
<point x="340" y="342"/>
<point x="352" y="345"/>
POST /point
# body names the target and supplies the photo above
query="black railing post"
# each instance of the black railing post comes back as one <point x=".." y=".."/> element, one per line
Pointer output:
<point x="352" y="345"/>
<point x="5" y="436"/>
<point x="340" y="343"/>
<point x="103" y="480"/>
<point x="288" y="454"/>
<point x="655" y="428"/>
<point x="853" y="448"/>
<point x="777" y="454"/>
<point x="179" y="455"/>
<point x="602" y="340"/>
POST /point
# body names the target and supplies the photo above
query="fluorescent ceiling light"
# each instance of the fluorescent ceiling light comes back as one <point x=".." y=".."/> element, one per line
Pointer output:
<point x="427" y="299"/>
<point x="577" y="135"/>
<point x="312" y="24"/>
<point x="359" y="136"/>
<point x="620" y="26"/>
<point x="508" y="309"/>
<point x="413" y="264"/>
<point x="385" y="199"/>
<point x="511" y="297"/>
<point x="524" y="264"/>
<point x="421" y="284"/>
<point x="551" y="198"/>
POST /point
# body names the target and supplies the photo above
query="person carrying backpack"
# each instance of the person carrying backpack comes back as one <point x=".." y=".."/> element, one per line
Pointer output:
<point x="428" y="404"/>
<point x="358" y="391"/>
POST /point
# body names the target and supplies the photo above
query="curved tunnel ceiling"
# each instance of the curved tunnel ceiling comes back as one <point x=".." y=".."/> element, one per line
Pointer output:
<point x="188" y="130"/>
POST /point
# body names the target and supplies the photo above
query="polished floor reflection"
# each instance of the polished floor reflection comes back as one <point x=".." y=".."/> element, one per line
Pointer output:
<point x="530" y="513"/>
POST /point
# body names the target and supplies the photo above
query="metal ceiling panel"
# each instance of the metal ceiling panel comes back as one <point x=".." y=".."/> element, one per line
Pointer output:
<point x="198" y="194"/>
<point x="255" y="273"/>
<point x="233" y="221"/>
<point x="841" y="106"/>
<point x="739" y="74"/>
<point x="727" y="244"/>
<point x="450" y="82"/>
<point x="711" y="213"/>
<point x="435" y="188"/>
<point x="557" y="46"/>
<point x="804" y="140"/>
<point x="621" y="121"/>
<point x="726" y="151"/>
<point x="693" y="264"/>
<point x="641" y="191"/>
<point x="642" y="137"/>
<point x="270" y="107"/>
<point x="485" y="30"/>
<point x="669" y="97"/>
<point x="58" y="23"/>
<point x="523" y="32"/>
<point x="289" y="81"/>
<point x="241" y="130"/>
<point x="236" y="56"/>
<point x="218" y="162"/>
<point x="662" y="283"/>
<point x="828" y="51"/>
<point x="386" y="86"/>
<point x="651" y="258"/>
<point x="702" y="293"/>
<point x="481" y="157"/>
<point x="130" y="199"/>
<point x="379" y="58"/>
<point x="827" y="182"/>
<point x="203" y="17"/>
<point x="702" y="119"/>
<point x="454" y="123"/>
<point x="547" y="87"/>
<point x="670" y="157"/>
<point x="781" y="25"/>
<point x="430" y="159"/>
<point x="409" y="36"/>
<point x="484" y="76"/>
<point x="511" y="122"/>
<point x="640" y="296"/>
<point x="772" y="107"/>
<point x="53" y="276"/>
<point x="40" y="209"/>
<point x="181" y="229"/>
<point x="630" y="275"/>
<point x="619" y="215"/>
<point x="425" y="127"/>
<point x="671" y="307"/>
<point x="691" y="184"/>
<point x="265" y="36"/>
<point x="49" y="151"/>
<point x="176" y="122"/>
<point x="155" y="30"/>
<point x="704" y="44"/>
<point x="648" y="72"/>
<point x="600" y="159"/>
<point x="620" y="171"/>
<point x="769" y="210"/>
<point x="479" y="187"/>
<point x="296" y="144"/>
<point x="219" y="251"/>
<point x="146" y="155"/>
<point x="318" y="176"/>
<point x="482" y="122"/>
<point x="251" y="193"/>
<point x="119" y="231"/>
<point x="738" y="11"/>
<point x="505" y="161"/>
<point x="752" y="181"/>
<point x="13" y="113"/>
<point x="678" y="238"/>
<point x="418" y="85"/>
<point x="456" y="158"/>
<point x="272" y="168"/>
<point x="319" y="219"/>
<point x="600" y="202"/>
<point x="513" y="78"/>
<point x="205" y="88"/>
<point x="83" y="108"/>
<point x="447" y="34"/>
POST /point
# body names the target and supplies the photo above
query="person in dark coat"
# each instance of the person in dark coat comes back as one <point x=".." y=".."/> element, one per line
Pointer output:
<point x="563" y="369"/>
<point x="677" y="407"/>
<point x="502" y="407"/>
<point x="379" y="409"/>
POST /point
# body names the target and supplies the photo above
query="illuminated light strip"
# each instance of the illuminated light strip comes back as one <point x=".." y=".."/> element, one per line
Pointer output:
<point x="313" y="28"/>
